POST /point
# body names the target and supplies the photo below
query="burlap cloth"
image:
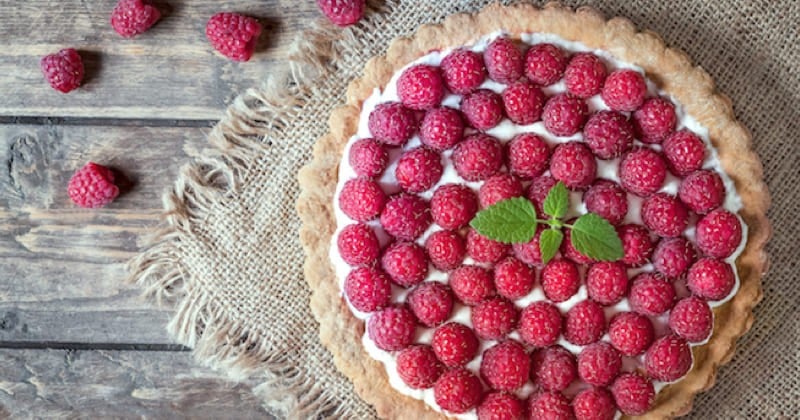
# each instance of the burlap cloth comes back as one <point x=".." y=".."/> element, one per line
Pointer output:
<point x="230" y="261"/>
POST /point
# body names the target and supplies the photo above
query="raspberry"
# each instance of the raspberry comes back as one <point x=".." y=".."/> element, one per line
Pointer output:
<point x="342" y="12"/>
<point x="392" y="123"/>
<point x="539" y="189"/>
<point x="569" y="251"/>
<point x="540" y="324"/>
<point x="545" y="64"/>
<point x="92" y="186"/>
<point x="513" y="278"/>
<point x="642" y="171"/>
<point x="498" y="188"/>
<point x="668" y="359"/>
<point x="418" y="169"/>
<point x="554" y="368"/>
<point x="608" y="200"/>
<point x="584" y="75"/>
<point x="665" y="215"/>
<point x="585" y="323"/>
<point x="392" y="328"/>
<point x="624" y="90"/>
<point x="609" y="134"/>
<point x="358" y="244"/>
<point x="599" y="364"/>
<point x="560" y="280"/>
<point x="529" y="252"/>
<point x="471" y="284"/>
<point x="463" y="71"/>
<point x="485" y="250"/>
<point x="455" y="344"/>
<point x="445" y="249"/>
<point x="368" y="289"/>
<point x="458" y="391"/>
<point x="505" y="366"/>
<point x="633" y="393"/>
<point x="655" y="120"/>
<point x="501" y="406"/>
<point x="719" y="233"/>
<point x="494" y="318"/>
<point x="368" y="158"/>
<point x="711" y="279"/>
<point x="478" y="157"/>
<point x="607" y="282"/>
<point x="594" y="404"/>
<point x="631" y="333"/>
<point x="702" y="191"/>
<point x="405" y="216"/>
<point x="549" y="405"/>
<point x="233" y="35"/>
<point x="528" y="155"/>
<point x="132" y="17"/>
<point x="651" y="294"/>
<point x="684" y="152"/>
<point x="692" y="319"/>
<point x="564" y="115"/>
<point x="504" y="61"/>
<point x="573" y="164"/>
<point x="406" y="263"/>
<point x="673" y="256"/>
<point x="418" y="366"/>
<point x="636" y="244"/>
<point x="431" y="302"/>
<point x="441" y="128"/>
<point x="63" y="70"/>
<point x="482" y="108"/>
<point x="420" y="87"/>
<point x="453" y="206"/>
<point x="523" y="102"/>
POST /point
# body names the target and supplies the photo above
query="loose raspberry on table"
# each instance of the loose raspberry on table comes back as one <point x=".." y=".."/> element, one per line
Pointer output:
<point x="607" y="282"/>
<point x="342" y="12"/>
<point x="692" y="319"/>
<point x="446" y="249"/>
<point x="358" y="244"/>
<point x="573" y="164"/>
<point x="651" y="294"/>
<point x="642" y="171"/>
<point x="608" y="200"/>
<point x="513" y="278"/>
<point x="392" y="328"/>
<point x="133" y="17"/>
<point x="553" y="368"/>
<point x="624" y="90"/>
<point x="482" y="108"/>
<point x="609" y="134"/>
<point x="564" y="115"/>
<point x="392" y="123"/>
<point x="441" y="128"/>
<point x="405" y="263"/>
<point x="368" y="158"/>
<point x="665" y="215"/>
<point x="655" y="120"/>
<point x="368" y="289"/>
<point x="472" y="284"/>
<point x="545" y="64"/>
<point x="584" y="323"/>
<point x="702" y="191"/>
<point x="710" y="278"/>
<point x="463" y="71"/>
<point x="494" y="318"/>
<point x="523" y="102"/>
<point x="498" y="188"/>
<point x="501" y="406"/>
<point x="599" y="364"/>
<point x="418" y="366"/>
<point x="528" y="156"/>
<point x="673" y="256"/>
<point x="504" y="61"/>
<point x="63" y="70"/>
<point x="560" y="280"/>
<point x="719" y="233"/>
<point x="633" y="393"/>
<point x="631" y="333"/>
<point x="505" y="366"/>
<point x="405" y="216"/>
<point x="594" y="403"/>
<point x="453" y="206"/>
<point x="668" y="358"/>
<point x="454" y="344"/>
<point x="636" y="244"/>
<point x="458" y="391"/>
<point x="485" y="250"/>
<point x="233" y="35"/>
<point x="92" y="186"/>
<point x="584" y="75"/>
<point x="478" y="157"/>
<point x="538" y="190"/>
<point x="569" y="251"/>
<point x="529" y="252"/>
<point x="418" y="169"/>
<point x="684" y="152"/>
<point x="420" y="87"/>
<point x="431" y="302"/>
<point x="540" y="324"/>
<point x="549" y="405"/>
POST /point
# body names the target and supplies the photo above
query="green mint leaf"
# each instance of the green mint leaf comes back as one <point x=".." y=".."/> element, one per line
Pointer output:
<point x="595" y="238"/>
<point x="509" y="221"/>
<point x="557" y="201"/>
<point x="549" y="243"/>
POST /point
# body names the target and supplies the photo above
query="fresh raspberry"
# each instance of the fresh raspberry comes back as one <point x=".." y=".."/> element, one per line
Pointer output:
<point x="368" y="158"/>
<point x="665" y="215"/>
<point x="482" y="108"/>
<point x="418" y="169"/>
<point x="599" y="364"/>
<point x="392" y="123"/>
<point x="651" y="294"/>
<point x="513" y="278"/>
<point x="505" y="366"/>
<point x="636" y="244"/>
<point x="471" y="284"/>
<point x="501" y="406"/>
<point x="549" y="405"/>
<point x="446" y="249"/>
<point x="455" y="344"/>
<point x="673" y="256"/>
<point x="692" y="319"/>
<point x="609" y="134"/>
<point x="528" y="155"/>
<point x="573" y="164"/>
<point x="233" y="35"/>
<point x="529" y="252"/>
<point x="458" y="391"/>
<point x="569" y="251"/>
<point x="431" y="302"/>
<point x="560" y="280"/>
<point x="594" y="404"/>
<point x="63" y="70"/>
<point x="711" y="279"/>
<point x="554" y="368"/>
<point x="564" y="115"/>
<point x="405" y="216"/>
<point x="702" y="191"/>
<point x="655" y="120"/>
<point x="607" y="282"/>
<point x="540" y="324"/>
<point x="631" y="333"/>
<point x="420" y="87"/>
<point x="608" y="200"/>
<point x="719" y="233"/>
<point x="624" y="90"/>
<point x="668" y="359"/>
<point x="453" y="206"/>
<point x="545" y="64"/>
<point x="634" y="394"/>
<point x="358" y="244"/>
<point x="504" y="61"/>
<point x="523" y="102"/>
<point x="538" y="191"/>
<point x="584" y="75"/>
<point x="342" y="12"/>
<point x="368" y="289"/>
<point x="498" y="188"/>
<point x="463" y="71"/>
<point x="584" y="323"/>
<point x="684" y="152"/>
<point x="406" y="263"/>
<point x="494" y="318"/>
<point x="485" y="250"/>
<point x="441" y="128"/>
<point x="133" y="17"/>
<point x="418" y="366"/>
<point x="642" y="171"/>
<point x="92" y="186"/>
<point x="478" y="157"/>
<point x="392" y="328"/>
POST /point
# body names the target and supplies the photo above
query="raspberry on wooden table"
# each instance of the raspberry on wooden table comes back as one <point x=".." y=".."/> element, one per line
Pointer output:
<point x="472" y="284"/>
<point x="455" y="344"/>
<point x="631" y="333"/>
<point x="655" y="120"/>
<point x="362" y="199"/>
<point x="573" y="164"/>
<point x="633" y="393"/>
<point x="501" y="406"/>
<point x="553" y="368"/>
<point x="358" y="244"/>
<point x="368" y="158"/>
<point x="609" y="134"/>
<point x="710" y="278"/>
<point x="342" y="12"/>
<point x="485" y="250"/>
<point x="405" y="263"/>
<point x="458" y="391"/>
<point x="504" y="61"/>
<point x="564" y="115"/>
<point x="545" y="64"/>
<point x="233" y="35"/>
<point x="441" y="128"/>
<point x="702" y="191"/>
<point x="453" y="206"/>
<point x="523" y="102"/>
<point x="636" y="244"/>
<point x="463" y="71"/>
<point x="431" y="302"/>
<point x="719" y="233"/>
<point x="505" y="366"/>
<point x="549" y="405"/>
<point x="528" y="156"/>
<point x="529" y="252"/>
<point x="538" y="190"/>
<point x="494" y="318"/>
<point x="405" y="216"/>
<point x="418" y="366"/>
<point x="63" y="70"/>
<point x="368" y="289"/>
<point x="418" y="169"/>
<point x="607" y="282"/>
<point x="540" y="324"/>
<point x="478" y="157"/>
<point x="624" y="90"/>
<point x="692" y="319"/>
<point x="421" y="87"/>
<point x="608" y="200"/>
<point x="668" y="358"/>
<point x="684" y="152"/>
<point x="482" y="108"/>
<point x="594" y="403"/>
<point x="673" y="256"/>
<point x="92" y="186"/>
<point x="560" y="280"/>
<point x="642" y="171"/>
<point x="446" y="249"/>
<point x="392" y="123"/>
<point x="392" y="328"/>
<point x="133" y="17"/>
<point x="599" y="364"/>
<point x="584" y="323"/>
<point x="498" y="188"/>
<point x="665" y="215"/>
<point x="513" y="278"/>
<point x="584" y="75"/>
<point x="651" y="294"/>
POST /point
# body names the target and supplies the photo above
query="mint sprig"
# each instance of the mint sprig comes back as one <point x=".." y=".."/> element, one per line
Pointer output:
<point x="509" y="221"/>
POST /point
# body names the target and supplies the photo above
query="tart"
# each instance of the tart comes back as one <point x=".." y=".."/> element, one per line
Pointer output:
<point x="431" y="318"/>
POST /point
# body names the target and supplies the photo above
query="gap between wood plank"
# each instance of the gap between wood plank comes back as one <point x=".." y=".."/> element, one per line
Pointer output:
<point x="68" y="345"/>
<point x="96" y="121"/>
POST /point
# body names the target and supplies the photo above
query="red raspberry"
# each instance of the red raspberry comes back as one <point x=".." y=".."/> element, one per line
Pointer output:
<point x="719" y="233"/>
<point x="513" y="278"/>
<point x="711" y="279"/>
<point x="608" y="200"/>
<point x="594" y="404"/>
<point x="549" y="405"/>
<point x="573" y="164"/>
<point x="406" y="263"/>
<point x="342" y="12"/>
<point x="478" y="157"/>
<point x="92" y="186"/>
<point x="504" y="61"/>
<point x="684" y="152"/>
<point x="453" y="206"/>
<point x="501" y="406"/>
<point x="523" y="102"/>
<point x="392" y="328"/>
<point x="471" y="284"/>
<point x="132" y="17"/>
<point x="564" y="115"/>
<point x="624" y="90"/>
<point x="418" y="169"/>
<point x="498" y="188"/>
<point x="358" y="244"/>
<point x="609" y="134"/>
<point x="406" y="216"/>
<point x="458" y="391"/>
<point x="633" y="394"/>
<point x="233" y="35"/>
<point x="538" y="191"/>
<point x="655" y="120"/>
<point x="529" y="252"/>
<point x="668" y="359"/>
<point x="599" y="364"/>
<point x="505" y="366"/>
<point x="570" y="252"/>
<point x="607" y="282"/>
<point x="545" y="64"/>
<point x="431" y="302"/>
<point x="485" y="250"/>
<point x="441" y="128"/>
<point x="368" y="158"/>
<point x="463" y="71"/>
<point x="636" y="244"/>
<point x="368" y="289"/>
<point x="651" y="294"/>
<point x="585" y="323"/>
<point x="665" y="215"/>
<point x="483" y="109"/>
<point x="540" y="324"/>
<point x="560" y="280"/>
<point x="528" y="156"/>
<point x="63" y="70"/>
<point x="631" y="333"/>
<point x="494" y="318"/>
<point x="673" y="256"/>
<point x="642" y="171"/>
<point x="702" y="191"/>
<point x="392" y="123"/>
<point x="418" y="366"/>
<point x="455" y="344"/>
<point x="420" y="87"/>
<point x="554" y="368"/>
<point x="584" y="75"/>
<point x="445" y="249"/>
<point x="692" y="319"/>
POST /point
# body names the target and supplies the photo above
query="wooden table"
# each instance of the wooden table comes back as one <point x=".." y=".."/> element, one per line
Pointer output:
<point x="74" y="338"/>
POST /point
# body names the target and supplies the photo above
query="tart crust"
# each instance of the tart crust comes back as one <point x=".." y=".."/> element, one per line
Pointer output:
<point x="669" y="68"/>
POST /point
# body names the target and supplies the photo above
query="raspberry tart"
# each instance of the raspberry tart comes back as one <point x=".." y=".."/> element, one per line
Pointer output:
<point x="433" y="311"/>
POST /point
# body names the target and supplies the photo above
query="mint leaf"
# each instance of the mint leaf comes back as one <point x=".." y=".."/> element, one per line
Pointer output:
<point x="549" y="243"/>
<point x="595" y="238"/>
<point x="557" y="201"/>
<point x="509" y="221"/>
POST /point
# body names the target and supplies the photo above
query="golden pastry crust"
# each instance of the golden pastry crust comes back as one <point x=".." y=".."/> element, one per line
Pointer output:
<point x="671" y="69"/>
